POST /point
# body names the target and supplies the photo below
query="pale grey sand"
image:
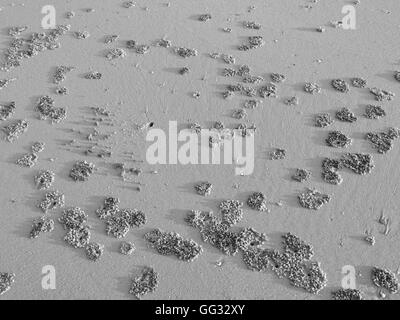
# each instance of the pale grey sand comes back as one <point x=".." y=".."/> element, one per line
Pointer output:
<point x="145" y="87"/>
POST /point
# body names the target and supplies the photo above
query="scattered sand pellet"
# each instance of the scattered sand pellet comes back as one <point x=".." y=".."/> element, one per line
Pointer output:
<point x="6" y="280"/>
<point x="228" y="94"/>
<point x="145" y="283"/>
<point x="338" y="139"/>
<point x="313" y="199"/>
<point x="81" y="35"/>
<point x="61" y="91"/>
<point x="16" y="31"/>
<point x="331" y="164"/>
<point x="38" y="147"/>
<point x="141" y="48"/>
<point x="111" y="38"/>
<point x="15" y="130"/>
<point x="386" y="279"/>
<point x="229" y="72"/>
<point x="245" y="90"/>
<point x="119" y="221"/>
<point x="370" y="239"/>
<point x="70" y="14"/>
<point x="195" y="127"/>
<point x="383" y="141"/>
<point x="82" y="170"/>
<point x="21" y="48"/>
<point x="340" y="85"/>
<point x="251" y="104"/>
<point x="27" y="160"/>
<point x="61" y="73"/>
<point x="78" y="237"/>
<point x="47" y="110"/>
<point x="186" y="52"/>
<point x="94" y="251"/>
<point x="228" y="58"/>
<point x="312" y="88"/>
<point x="41" y="225"/>
<point x="292" y="101"/>
<point x="116" y="53"/>
<point x="251" y="25"/>
<point x="246" y="130"/>
<point x="252" y="79"/>
<point x="268" y="91"/>
<point x="231" y="211"/>
<point x="127" y="248"/>
<point x="184" y="70"/>
<point x="171" y="243"/>
<point x="277" y="77"/>
<point x="131" y="44"/>
<point x="257" y="201"/>
<point x="374" y="112"/>
<point x="94" y="75"/>
<point x="44" y="179"/>
<point x="347" y="294"/>
<point x="359" y="82"/>
<point x="6" y="111"/>
<point x="117" y="227"/>
<point x="109" y="208"/>
<point x="73" y="218"/>
<point x="196" y="95"/>
<point x="5" y="82"/>
<point x="397" y="75"/>
<point x="323" y="120"/>
<point x="292" y="263"/>
<point x="239" y="114"/>
<point x="204" y="188"/>
<point x="219" y="125"/>
<point x="332" y="177"/>
<point x="346" y="115"/>
<point x="301" y="175"/>
<point x="278" y="154"/>
<point x="254" y="42"/>
<point x="243" y="70"/>
<point x="357" y="162"/>
<point x="164" y="43"/>
<point x="205" y="17"/>
<point x="249" y="237"/>
<point x="214" y="231"/>
<point x="129" y="4"/>
<point x="382" y="95"/>
<point x="52" y="200"/>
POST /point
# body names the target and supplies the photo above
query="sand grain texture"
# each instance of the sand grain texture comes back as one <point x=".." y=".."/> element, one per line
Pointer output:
<point x="145" y="88"/>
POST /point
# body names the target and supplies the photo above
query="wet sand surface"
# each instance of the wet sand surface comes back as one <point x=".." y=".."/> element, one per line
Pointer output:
<point x="143" y="88"/>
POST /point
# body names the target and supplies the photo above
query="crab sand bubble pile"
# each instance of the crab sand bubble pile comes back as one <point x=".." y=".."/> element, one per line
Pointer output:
<point x="171" y="243"/>
<point x="6" y="280"/>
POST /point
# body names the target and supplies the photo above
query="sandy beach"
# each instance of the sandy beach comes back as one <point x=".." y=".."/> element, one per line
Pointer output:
<point x="139" y="89"/>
